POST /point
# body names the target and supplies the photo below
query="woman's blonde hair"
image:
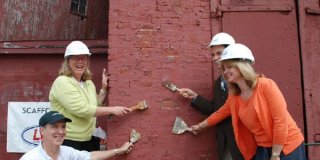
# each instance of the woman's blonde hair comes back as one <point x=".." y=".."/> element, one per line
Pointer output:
<point x="66" y="71"/>
<point x="247" y="72"/>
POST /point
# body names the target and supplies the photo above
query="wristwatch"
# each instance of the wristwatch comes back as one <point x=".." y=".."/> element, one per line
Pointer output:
<point x="274" y="154"/>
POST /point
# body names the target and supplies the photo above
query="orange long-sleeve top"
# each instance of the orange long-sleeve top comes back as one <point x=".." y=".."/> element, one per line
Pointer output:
<point x="271" y="111"/>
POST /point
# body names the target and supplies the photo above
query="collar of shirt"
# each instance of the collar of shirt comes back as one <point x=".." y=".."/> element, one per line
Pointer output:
<point x="43" y="153"/>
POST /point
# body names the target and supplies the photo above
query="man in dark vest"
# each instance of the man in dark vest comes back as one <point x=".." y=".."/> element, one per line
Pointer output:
<point x="227" y="148"/>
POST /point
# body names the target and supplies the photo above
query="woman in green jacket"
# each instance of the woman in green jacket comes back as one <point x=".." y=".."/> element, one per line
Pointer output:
<point x="74" y="95"/>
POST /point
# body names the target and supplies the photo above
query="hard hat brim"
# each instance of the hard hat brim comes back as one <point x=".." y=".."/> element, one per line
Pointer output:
<point x="78" y="54"/>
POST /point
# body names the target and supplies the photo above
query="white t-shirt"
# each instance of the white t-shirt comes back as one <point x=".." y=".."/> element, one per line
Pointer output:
<point x="66" y="153"/>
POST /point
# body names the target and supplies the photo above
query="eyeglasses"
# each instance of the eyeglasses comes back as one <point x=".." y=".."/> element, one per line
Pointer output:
<point x="79" y="58"/>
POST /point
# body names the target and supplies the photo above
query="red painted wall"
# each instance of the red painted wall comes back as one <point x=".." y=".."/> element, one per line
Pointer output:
<point x="310" y="39"/>
<point x="51" y="20"/>
<point x="150" y="42"/>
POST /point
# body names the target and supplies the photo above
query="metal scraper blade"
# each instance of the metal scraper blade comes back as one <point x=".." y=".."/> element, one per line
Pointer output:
<point x="180" y="126"/>
<point x="134" y="136"/>
<point x="170" y="86"/>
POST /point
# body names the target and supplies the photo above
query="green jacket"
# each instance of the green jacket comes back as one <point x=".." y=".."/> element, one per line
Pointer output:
<point x="79" y="104"/>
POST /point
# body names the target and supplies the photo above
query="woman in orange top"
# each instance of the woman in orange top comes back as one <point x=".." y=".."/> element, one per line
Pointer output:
<point x="263" y="127"/>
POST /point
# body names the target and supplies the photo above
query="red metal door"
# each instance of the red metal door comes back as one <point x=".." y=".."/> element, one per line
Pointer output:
<point x="309" y="18"/>
<point x="270" y="30"/>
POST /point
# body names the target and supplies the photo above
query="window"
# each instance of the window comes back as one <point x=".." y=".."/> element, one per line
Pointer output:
<point x="79" y="7"/>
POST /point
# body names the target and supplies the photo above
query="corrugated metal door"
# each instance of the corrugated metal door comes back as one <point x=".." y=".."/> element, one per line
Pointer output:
<point x="309" y="18"/>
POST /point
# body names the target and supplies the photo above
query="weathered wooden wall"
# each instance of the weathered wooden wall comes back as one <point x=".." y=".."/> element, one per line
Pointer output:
<point x="51" y="20"/>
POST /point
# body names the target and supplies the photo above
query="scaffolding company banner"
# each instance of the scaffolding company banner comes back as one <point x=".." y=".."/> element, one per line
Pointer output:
<point x="23" y="131"/>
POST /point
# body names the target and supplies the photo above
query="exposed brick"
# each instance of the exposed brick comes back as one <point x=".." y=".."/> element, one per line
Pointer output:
<point x="169" y="2"/>
<point x="169" y="105"/>
<point x="149" y="43"/>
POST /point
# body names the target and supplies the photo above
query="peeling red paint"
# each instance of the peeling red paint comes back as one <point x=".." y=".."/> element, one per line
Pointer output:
<point x="51" y="20"/>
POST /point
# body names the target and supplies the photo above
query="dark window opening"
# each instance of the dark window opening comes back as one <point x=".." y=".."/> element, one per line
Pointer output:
<point x="79" y="7"/>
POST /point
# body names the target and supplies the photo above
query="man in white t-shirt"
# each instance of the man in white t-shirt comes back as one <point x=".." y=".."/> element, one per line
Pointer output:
<point x="53" y="130"/>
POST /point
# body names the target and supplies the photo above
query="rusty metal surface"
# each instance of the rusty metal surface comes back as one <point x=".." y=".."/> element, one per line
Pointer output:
<point x="310" y="47"/>
<point x="50" y="20"/>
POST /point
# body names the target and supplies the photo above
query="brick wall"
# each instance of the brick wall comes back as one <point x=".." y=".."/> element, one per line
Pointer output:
<point x="151" y="41"/>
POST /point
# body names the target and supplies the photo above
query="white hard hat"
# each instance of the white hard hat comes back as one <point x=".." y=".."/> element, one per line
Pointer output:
<point x="76" y="48"/>
<point x="221" y="39"/>
<point x="237" y="51"/>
